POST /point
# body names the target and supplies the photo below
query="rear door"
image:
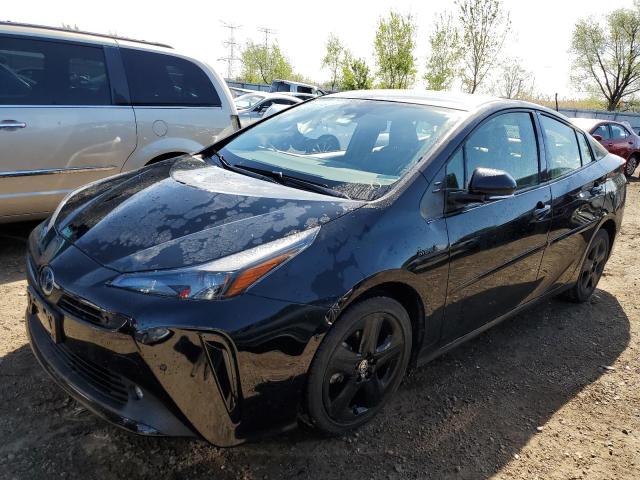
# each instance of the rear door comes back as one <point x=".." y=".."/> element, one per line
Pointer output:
<point x="59" y="128"/>
<point x="578" y="191"/>
<point x="176" y="104"/>
<point x="495" y="246"/>
<point x="621" y="142"/>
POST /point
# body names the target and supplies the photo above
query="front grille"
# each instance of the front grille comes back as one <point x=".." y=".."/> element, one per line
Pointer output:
<point x="108" y="385"/>
<point x="81" y="309"/>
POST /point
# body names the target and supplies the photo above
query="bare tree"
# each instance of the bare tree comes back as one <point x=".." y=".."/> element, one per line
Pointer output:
<point x="444" y="59"/>
<point x="513" y="81"/>
<point x="607" y="57"/>
<point x="485" y="25"/>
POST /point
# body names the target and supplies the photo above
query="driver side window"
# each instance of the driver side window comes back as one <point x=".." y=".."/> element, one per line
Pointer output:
<point x="505" y="142"/>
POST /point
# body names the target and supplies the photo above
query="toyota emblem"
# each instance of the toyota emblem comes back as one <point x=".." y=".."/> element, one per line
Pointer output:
<point x="46" y="280"/>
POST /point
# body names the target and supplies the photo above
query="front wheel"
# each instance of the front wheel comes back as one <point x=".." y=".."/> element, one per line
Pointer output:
<point x="591" y="269"/>
<point x="359" y="365"/>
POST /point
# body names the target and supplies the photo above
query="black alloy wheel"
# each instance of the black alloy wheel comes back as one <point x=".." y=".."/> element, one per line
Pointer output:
<point x="359" y="365"/>
<point x="592" y="268"/>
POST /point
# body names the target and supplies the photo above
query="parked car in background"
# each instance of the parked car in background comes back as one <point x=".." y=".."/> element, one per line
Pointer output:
<point x="274" y="283"/>
<point x="76" y="107"/>
<point x="282" y="86"/>
<point x="236" y="91"/>
<point x="618" y="138"/>
<point x="253" y="106"/>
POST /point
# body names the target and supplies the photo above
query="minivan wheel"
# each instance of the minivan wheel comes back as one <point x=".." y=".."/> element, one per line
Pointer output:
<point x="631" y="166"/>
<point x="359" y="365"/>
<point x="591" y="269"/>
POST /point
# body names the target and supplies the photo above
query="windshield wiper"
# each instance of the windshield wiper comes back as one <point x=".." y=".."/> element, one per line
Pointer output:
<point x="298" y="182"/>
<point x="242" y="170"/>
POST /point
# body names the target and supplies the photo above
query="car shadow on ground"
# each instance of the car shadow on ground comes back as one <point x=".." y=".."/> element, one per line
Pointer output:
<point x="464" y="415"/>
<point x="13" y="243"/>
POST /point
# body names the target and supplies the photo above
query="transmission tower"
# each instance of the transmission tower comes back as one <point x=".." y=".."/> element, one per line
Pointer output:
<point x="231" y="45"/>
<point x="267" y="31"/>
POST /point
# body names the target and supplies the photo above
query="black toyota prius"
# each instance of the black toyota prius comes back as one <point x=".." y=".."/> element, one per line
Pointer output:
<point x="295" y="270"/>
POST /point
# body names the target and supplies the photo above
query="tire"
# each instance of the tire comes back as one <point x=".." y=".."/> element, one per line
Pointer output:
<point x="630" y="166"/>
<point x="359" y="365"/>
<point x="591" y="269"/>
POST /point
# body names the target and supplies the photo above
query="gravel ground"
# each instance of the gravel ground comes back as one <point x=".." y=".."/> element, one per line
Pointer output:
<point x="552" y="393"/>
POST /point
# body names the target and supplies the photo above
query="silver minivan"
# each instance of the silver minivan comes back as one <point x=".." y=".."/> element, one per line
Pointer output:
<point x="76" y="107"/>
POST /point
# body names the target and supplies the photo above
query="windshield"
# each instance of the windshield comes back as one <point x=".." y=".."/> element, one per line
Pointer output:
<point x="247" y="101"/>
<point x="359" y="147"/>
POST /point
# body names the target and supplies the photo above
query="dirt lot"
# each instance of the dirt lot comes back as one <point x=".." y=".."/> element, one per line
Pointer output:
<point x="552" y="393"/>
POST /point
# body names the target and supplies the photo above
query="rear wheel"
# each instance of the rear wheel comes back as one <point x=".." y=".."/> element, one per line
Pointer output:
<point x="630" y="166"/>
<point x="591" y="269"/>
<point x="359" y="365"/>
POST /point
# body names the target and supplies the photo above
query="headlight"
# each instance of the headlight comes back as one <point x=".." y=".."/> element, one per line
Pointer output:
<point x="222" y="278"/>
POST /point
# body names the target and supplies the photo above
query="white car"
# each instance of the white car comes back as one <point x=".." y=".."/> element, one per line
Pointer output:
<point x="76" y="107"/>
<point x="253" y="106"/>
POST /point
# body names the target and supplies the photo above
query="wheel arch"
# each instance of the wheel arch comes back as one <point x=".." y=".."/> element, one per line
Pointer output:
<point x="609" y="225"/>
<point x="401" y="291"/>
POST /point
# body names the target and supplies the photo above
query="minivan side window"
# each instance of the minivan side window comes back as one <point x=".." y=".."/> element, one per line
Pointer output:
<point x="40" y="72"/>
<point x="156" y="79"/>
<point x="505" y="142"/>
<point x="562" y="147"/>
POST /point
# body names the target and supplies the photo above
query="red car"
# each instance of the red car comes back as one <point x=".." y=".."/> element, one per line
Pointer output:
<point x="616" y="137"/>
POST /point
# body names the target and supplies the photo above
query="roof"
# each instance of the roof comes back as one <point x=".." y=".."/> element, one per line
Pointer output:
<point x="268" y="95"/>
<point x="587" y="123"/>
<point x="66" y="33"/>
<point x="459" y="101"/>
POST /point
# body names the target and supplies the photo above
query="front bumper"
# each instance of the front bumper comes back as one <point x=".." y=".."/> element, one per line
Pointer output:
<point x="229" y="372"/>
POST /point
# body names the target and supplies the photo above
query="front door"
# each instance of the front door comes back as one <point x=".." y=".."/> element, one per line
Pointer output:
<point x="58" y="127"/>
<point x="496" y="246"/>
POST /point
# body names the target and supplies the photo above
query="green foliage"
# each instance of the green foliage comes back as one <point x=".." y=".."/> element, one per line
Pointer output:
<point x="333" y="59"/>
<point x="394" y="44"/>
<point x="607" y="56"/>
<point x="355" y="74"/>
<point x="484" y="26"/>
<point x="262" y="64"/>
<point x="446" y="52"/>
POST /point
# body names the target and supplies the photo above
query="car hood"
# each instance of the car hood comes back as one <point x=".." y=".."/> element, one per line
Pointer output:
<point x="185" y="212"/>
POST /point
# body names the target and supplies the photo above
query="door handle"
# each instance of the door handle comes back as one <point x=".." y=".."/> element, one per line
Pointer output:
<point x="12" y="124"/>
<point x="541" y="210"/>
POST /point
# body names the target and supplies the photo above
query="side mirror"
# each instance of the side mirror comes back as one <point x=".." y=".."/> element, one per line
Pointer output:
<point x="598" y="137"/>
<point x="491" y="183"/>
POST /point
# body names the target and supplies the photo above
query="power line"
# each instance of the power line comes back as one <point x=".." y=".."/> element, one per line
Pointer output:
<point x="231" y="44"/>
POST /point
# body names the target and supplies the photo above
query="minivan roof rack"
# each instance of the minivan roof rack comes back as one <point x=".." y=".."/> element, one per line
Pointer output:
<point x="82" y="32"/>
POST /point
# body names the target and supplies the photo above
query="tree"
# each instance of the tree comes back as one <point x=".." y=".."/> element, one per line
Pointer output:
<point x="485" y="25"/>
<point x="444" y="59"/>
<point x="355" y="74"/>
<point x="394" y="44"/>
<point x="607" y="56"/>
<point x="263" y="64"/>
<point x="514" y="81"/>
<point x="333" y="59"/>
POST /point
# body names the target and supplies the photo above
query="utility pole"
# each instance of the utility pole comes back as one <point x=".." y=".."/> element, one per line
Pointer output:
<point x="267" y="31"/>
<point x="231" y="44"/>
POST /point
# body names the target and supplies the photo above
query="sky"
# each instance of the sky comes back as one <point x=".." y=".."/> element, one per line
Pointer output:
<point x="541" y="30"/>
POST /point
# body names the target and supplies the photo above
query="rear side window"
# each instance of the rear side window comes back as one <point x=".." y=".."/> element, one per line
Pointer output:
<point x="618" y="132"/>
<point x="598" y="150"/>
<point x="585" y="151"/>
<point x="562" y="147"/>
<point x="156" y="79"/>
<point x="506" y="142"/>
<point x="37" y="72"/>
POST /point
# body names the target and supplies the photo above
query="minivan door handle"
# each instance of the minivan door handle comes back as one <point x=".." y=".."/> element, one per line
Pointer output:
<point x="11" y="124"/>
